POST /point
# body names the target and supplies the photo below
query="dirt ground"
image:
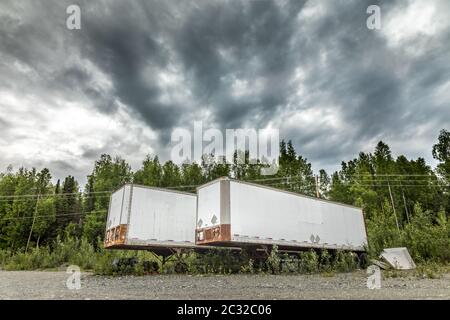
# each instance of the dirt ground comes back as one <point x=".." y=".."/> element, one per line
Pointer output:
<point x="52" y="285"/>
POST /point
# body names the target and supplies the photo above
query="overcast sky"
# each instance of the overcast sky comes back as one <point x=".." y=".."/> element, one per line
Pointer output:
<point x="138" y="69"/>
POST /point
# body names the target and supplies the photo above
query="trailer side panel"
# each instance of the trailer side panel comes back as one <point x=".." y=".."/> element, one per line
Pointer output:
<point x="262" y="213"/>
<point x="118" y="207"/>
<point x="158" y="215"/>
<point x="258" y="215"/>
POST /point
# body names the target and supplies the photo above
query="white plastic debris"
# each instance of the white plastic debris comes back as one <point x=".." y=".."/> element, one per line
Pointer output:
<point x="398" y="258"/>
<point x="380" y="264"/>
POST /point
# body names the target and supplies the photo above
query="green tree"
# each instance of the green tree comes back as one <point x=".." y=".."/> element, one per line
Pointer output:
<point x="108" y="175"/>
<point x="297" y="171"/>
<point x="151" y="172"/>
<point x="69" y="205"/>
<point x="441" y="152"/>
<point x="214" y="168"/>
<point x="324" y="183"/>
<point x="89" y="195"/>
<point x="8" y="181"/>
<point x="171" y="176"/>
<point x="45" y="219"/>
<point x="191" y="175"/>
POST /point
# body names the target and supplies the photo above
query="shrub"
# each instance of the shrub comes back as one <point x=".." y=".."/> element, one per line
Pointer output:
<point x="325" y="261"/>
<point x="5" y="256"/>
<point x="289" y="264"/>
<point x="222" y="261"/>
<point x="308" y="262"/>
<point x="344" y="261"/>
<point x="273" y="262"/>
<point x="426" y="237"/>
<point x="249" y="267"/>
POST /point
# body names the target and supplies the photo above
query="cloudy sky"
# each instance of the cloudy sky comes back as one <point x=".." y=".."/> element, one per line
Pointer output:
<point x="138" y="69"/>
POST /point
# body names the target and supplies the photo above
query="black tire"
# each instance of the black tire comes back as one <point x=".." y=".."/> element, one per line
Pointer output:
<point x="181" y="267"/>
<point x="362" y="260"/>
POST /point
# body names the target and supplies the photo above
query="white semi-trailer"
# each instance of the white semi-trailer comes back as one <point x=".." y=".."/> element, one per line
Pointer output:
<point x="142" y="217"/>
<point x="231" y="212"/>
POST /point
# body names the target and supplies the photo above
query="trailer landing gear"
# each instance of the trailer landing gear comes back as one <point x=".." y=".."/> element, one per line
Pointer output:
<point x="177" y="255"/>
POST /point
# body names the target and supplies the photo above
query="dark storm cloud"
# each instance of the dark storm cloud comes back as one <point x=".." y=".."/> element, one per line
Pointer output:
<point x="237" y="61"/>
<point x="249" y="31"/>
<point x="4" y="125"/>
<point x="123" y="50"/>
<point x="61" y="166"/>
<point x="357" y="73"/>
<point x="92" y="153"/>
<point x="131" y="43"/>
<point x="364" y="76"/>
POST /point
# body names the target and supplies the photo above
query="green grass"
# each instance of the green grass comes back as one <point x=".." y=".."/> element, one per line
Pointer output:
<point x="95" y="258"/>
<point x="425" y="270"/>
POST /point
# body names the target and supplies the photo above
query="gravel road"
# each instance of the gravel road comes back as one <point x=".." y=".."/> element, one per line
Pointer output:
<point x="52" y="285"/>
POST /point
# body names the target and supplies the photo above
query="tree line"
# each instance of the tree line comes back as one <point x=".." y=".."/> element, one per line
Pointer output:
<point x="405" y="201"/>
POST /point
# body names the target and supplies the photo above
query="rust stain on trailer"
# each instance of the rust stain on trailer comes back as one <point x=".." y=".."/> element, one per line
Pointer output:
<point x="115" y="236"/>
<point x="213" y="234"/>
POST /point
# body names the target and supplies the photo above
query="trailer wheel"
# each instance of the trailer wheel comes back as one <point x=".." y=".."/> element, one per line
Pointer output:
<point x="124" y="265"/>
<point x="150" y="266"/>
<point x="362" y="260"/>
<point x="181" y="267"/>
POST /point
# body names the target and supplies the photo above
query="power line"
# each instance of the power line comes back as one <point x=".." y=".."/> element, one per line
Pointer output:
<point x="289" y="180"/>
<point x="405" y="185"/>
<point x="15" y="200"/>
<point x="53" y="194"/>
<point x="50" y="216"/>
<point x="396" y="174"/>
